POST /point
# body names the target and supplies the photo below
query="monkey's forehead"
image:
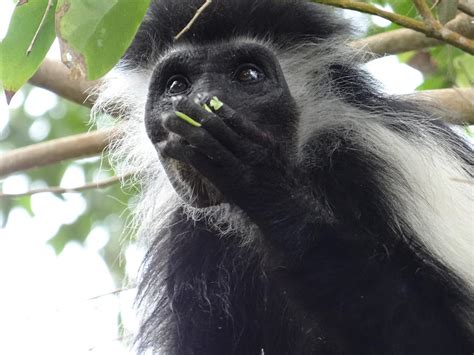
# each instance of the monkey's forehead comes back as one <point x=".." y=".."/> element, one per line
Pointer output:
<point x="225" y="50"/>
<point x="282" y="22"/>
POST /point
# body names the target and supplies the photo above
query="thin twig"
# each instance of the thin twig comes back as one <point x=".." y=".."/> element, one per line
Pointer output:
<point x="424" y="11"/>
<point x="435" y="29"/>
<point x="63" y="190"/>
<point x="46" y="11"/>
<point x="195" y="17"/>
<point x="114" y="292"/>
<point x="436" y="3"/>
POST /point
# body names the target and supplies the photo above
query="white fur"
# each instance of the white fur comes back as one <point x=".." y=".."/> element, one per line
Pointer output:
<point x="125" y="91"/>
<point x="434" y="203"/>
<point x="437" y="207"/>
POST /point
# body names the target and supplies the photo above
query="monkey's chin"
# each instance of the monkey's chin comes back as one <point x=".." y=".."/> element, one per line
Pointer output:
<point x="190" y="186"/>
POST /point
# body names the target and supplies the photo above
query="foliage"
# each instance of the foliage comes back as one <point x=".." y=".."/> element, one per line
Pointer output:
<point x="93" y="36"/>
<point x="16" y="64"/>
<point x="98" y="32"/>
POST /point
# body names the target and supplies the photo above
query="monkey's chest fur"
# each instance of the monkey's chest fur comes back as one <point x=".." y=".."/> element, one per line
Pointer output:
<point x="221" y="297"/>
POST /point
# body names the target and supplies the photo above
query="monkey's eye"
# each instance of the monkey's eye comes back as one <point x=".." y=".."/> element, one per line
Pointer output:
<point x="249" y="73"/>
<point x="177" y="84"/>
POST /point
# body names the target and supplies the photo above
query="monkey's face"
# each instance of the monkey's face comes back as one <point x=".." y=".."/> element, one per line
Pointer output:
<point x="246" y="77"/>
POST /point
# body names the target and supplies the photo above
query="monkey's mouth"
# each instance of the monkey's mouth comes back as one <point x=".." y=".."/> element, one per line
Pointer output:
<point x="190" y="186"/>
<point x="194" y="189"/>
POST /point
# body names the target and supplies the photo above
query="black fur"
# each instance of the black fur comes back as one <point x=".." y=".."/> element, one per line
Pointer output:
<point x="327" y="271"/>
<point x="284" y="22"/>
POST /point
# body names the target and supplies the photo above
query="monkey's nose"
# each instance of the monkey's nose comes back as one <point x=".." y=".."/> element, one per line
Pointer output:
<point x="202" y="98"/>
<point x="206" y="96"/>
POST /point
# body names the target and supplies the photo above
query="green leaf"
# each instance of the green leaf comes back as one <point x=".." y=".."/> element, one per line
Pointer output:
<point x="16" y="65"/>
<point x="25" y="202"/>
<point x="95" y="34"/>
<point x="216" y="104"/>
<point x="463" y="66"/>
<point x="77" y="232"/>
<point x="432" y="83"/>
<point x="403" y="7"/>
<point x="405" y="57"/>
<point x="188" y="119"/>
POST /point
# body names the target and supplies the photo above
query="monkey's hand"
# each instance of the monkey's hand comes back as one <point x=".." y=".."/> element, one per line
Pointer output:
<point x="242" y="161"/>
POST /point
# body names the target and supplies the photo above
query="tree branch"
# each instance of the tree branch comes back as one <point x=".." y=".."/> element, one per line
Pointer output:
<point x="54" y="151"/>
<point x="404" y="40"/>
<point x="458" y="102"/>
<point x="404" y="21"/>
<point x="62" y="190"/>
<point x="435" y="30"/>
<point x="424" y="11"/>
<point x="54" y="76"/>
<point x="195" y="17"/>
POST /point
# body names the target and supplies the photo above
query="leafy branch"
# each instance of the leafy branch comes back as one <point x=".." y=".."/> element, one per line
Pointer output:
<point x="430" y="26"/>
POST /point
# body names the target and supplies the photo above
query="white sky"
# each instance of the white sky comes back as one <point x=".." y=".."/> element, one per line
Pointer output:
<point x="44" y="306"/>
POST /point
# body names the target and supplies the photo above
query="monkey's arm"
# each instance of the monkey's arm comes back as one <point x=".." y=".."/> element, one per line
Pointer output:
<point x="250" y="170"/>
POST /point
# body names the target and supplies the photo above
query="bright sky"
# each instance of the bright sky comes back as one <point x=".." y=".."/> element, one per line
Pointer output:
<point x="44" y="298"/>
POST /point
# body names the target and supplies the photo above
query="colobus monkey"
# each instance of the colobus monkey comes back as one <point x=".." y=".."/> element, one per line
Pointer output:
<point x="289" y="206"/>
